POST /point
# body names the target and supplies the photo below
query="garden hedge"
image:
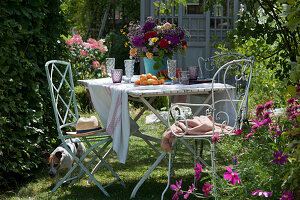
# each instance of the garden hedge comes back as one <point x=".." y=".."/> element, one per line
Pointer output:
<point x="29" y="36"/>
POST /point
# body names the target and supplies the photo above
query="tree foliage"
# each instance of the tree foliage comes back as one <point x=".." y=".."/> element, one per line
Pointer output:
<point x="28" y="38"/>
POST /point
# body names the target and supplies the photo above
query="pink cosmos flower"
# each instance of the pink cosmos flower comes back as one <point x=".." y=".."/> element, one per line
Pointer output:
<point x="198" y="169"/>
<point x="190" y="190"/>
<point x="177" y="189"/>
<point x="288" y="195"/>
<point x="255" y="127"/>
<point x="268" y="105"/>
<point x="259" y="110"/>
<point x="249" y="135"/>
<point x="83" y="53"/>
<point x="206" y="189"/>
<point x="267" y="115"/>
<point x="279" y="158"/>
<point x="266" y="194"/>
<point x="232" y="176"/>
<point x="215" y="138"/>
<point x="96" y="64"/>
<point x="238" y="132"/>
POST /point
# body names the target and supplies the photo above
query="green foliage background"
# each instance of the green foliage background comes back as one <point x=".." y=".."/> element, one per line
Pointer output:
<point x="29" y="36"/>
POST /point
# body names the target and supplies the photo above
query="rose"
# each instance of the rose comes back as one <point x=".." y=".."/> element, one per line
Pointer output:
<point x="150" y="35"/>
<point x="163" y="43"/>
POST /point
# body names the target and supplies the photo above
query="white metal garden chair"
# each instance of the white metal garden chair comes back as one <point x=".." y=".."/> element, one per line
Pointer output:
<point x="60" y="80"/>
<point x="238" y="73"/>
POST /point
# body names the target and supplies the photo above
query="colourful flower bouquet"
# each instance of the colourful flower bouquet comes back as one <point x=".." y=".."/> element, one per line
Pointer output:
<point x="87" y="57"/>
<point x="155" y="40"/>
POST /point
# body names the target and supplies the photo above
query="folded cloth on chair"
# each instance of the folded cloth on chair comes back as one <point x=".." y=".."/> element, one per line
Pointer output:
<point x="199" y="125"/>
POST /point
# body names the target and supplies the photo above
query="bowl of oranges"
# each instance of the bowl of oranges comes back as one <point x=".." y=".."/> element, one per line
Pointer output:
<point x="148" y="79"/>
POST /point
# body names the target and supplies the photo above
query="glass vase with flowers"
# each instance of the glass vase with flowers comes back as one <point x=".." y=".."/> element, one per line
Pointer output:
<point x="156" y="40"/>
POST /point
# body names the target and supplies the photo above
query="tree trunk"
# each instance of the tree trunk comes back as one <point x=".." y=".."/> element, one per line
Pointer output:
<point x="104" y="21"/>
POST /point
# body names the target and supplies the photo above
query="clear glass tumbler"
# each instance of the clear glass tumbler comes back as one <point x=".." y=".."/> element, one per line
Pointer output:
<point x="129" y="68"/>
<point x="116" y="75"/>
<point x="183" y="77"/>
<point x="110" y="65"/>
<point x="171" y="70"/>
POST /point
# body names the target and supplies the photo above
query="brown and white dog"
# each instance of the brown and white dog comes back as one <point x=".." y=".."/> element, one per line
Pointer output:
<point x="60" y="158"/>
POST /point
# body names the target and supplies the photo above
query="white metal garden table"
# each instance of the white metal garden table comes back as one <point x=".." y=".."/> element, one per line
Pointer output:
<point x="111" y="103"/>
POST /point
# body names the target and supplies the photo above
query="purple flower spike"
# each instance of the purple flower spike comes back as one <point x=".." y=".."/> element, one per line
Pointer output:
<point x="279" y="158"/>
<point x="288" y="195"/>
<point x="266" y="194"/>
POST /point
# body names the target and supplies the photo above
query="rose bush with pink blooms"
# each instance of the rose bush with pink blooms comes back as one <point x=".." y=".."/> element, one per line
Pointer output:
<point x="87" y="57"/>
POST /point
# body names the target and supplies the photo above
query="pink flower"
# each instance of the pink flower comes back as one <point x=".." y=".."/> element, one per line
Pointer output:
<point x="288" y="195"/>
<point x="259" y="110"/>
<point x="254" y="127"/>
<point x="291" y="101"/>
<point x="232" y="176"/>
<point x="190" y="190"/>
<point x="267" y="115"/>
<point x="238" y="132"/>
<point x="206" y="189"/>
<point x="96" y="64"/>
<point x="91" y="41"/>
<point x="83" y="53"/>
<point x="215" y="138"/>
<point x="249" y="135"/>
<point x="198" y="169"/>
<point x="178" y="190"/>
<point x="268" y="105"/>
<point x="279" y="158"/>
<point x="266" y="194"/>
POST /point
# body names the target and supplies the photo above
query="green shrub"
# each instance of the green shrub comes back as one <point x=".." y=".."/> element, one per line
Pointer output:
<point x="83" y="99"/>
<point x="160" y="103"/>
<point x="29" y="37"/>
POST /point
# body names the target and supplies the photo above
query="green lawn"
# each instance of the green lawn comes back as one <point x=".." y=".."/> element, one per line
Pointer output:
<point x="140" y="158"/>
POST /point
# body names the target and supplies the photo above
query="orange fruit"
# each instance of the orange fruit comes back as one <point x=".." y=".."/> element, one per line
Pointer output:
<point x="143" y="79"/>
<point x="162" y="81"/>
<point x="137" y="82"/>
<point x="154" y="77"/>
<point x="150" y="81"/>
<point x="143" y="76"/>
<point x="155" y="82"/>
<point x="149" y="75"/>
<point x="144" y="83"/>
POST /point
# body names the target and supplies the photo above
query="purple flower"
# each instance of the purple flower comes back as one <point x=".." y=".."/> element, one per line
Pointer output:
<point x="291" y="101"/>
<point x="190" y="190"/>
<point x="288" y="195"/>
<point x="155" y="49"/>
<point x="148" y="26"/>
<point x="173" y="39"/>
<point x="232" y="176"/>
<point x="279" y="158"/>
<point x="265" y="121"/>
<point x="198" y="169"/>
<point x="138" y="41"/>
<point x="206" y="189"/>
<point x="178" y="190"/>
<point x="238" y="132"/>
<point x="266" y="194"/>
<point x="144" y="49"/>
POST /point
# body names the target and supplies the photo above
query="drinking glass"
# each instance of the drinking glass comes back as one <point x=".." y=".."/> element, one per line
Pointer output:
<point x="129" y="68"/>
<point x="116" y="75"/>
<point x="171" y="69"/>
<point x="110" y="65"/>
<point x="183" y="77"/>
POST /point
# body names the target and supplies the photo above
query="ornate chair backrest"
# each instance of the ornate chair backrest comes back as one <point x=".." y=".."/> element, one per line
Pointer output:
<point x="60" y="80"/>
<point x="237" y="73"/>
<point x="208" y="66"/>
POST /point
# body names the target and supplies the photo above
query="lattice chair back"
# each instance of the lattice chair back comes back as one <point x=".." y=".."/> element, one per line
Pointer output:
<point x="60" y="80"/>
<point x="236" y="73"/>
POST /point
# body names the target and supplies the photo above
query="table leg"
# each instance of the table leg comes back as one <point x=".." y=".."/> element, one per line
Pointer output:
<point x="136" y="188"/>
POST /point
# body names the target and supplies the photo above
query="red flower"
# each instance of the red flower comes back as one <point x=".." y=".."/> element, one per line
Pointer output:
<point x="163" y="43"/>
<point x="150" y="35"/>
<point x="184" y="43"/>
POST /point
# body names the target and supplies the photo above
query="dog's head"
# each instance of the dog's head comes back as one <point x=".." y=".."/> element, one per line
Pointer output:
<point x="54" y="161"/>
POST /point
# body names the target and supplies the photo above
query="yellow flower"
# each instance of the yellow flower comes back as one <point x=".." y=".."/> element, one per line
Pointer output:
<point x="154" y="39"/>
<point x="123" y="33"/>
<point x="126" y="44"/>
<point x="131" y="24"/>
<point x="121" y="30"/>
<point x="149" y="55"/>
<point x="125" y="26"/>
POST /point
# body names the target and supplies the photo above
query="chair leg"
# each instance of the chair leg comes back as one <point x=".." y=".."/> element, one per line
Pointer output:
<point x="169" y="176"/>
<point x="212" y="151"/>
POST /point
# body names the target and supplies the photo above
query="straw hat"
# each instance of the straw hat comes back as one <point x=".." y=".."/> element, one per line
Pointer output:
<point x="87" y="126"/>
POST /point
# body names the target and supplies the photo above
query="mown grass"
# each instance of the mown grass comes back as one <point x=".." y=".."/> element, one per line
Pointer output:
<point x="140" y="158"/>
